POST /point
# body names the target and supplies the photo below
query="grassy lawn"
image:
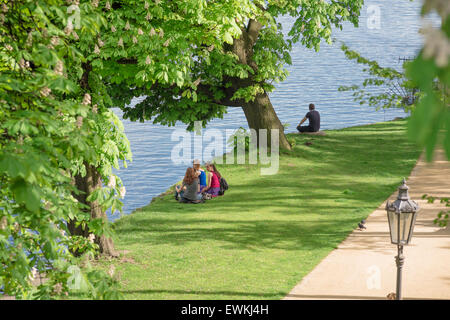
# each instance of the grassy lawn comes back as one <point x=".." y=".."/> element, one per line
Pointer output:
<point x="267" y="232"/>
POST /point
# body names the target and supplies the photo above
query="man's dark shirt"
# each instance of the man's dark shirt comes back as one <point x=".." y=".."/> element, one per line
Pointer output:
<point x="314" y="120"/>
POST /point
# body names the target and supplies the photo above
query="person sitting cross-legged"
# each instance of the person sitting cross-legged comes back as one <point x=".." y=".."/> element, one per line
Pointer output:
<point x="200" y="173"/>
<point x="314" y="121"/>
<point x="190" y="188"/>
<point x="214" y="176"/>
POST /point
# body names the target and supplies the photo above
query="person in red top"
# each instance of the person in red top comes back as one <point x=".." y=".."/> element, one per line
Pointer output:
<point x="213" y="180"/>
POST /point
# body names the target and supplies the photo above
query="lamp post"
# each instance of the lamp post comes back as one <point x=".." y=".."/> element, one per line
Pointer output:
<point x="401" y="216"/>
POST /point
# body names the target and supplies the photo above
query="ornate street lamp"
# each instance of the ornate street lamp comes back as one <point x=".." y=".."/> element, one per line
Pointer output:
<point x="402" y="217"/>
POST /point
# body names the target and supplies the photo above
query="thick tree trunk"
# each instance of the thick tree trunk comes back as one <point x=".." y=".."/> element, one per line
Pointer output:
<point x="87" y="185"/>
<point x="260" y="114"/>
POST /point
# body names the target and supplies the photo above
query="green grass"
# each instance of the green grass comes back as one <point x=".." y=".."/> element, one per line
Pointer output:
<point x="267" y="232"/>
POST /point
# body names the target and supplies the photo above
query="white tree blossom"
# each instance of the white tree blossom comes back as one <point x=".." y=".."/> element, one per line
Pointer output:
<point x="122" y="192"/>
<point x="112" y="181"/>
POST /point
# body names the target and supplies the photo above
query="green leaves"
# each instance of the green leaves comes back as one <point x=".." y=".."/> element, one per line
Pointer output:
<point x="49" y="128"/>
<point x="399" y="91"/>
<point x="62" y="85"/>
<point x="443" y="216"/>
<point x="426" y="122"/>
<point x="430" y="121"/>
<point x="179" y="79"/>
<point x="422" y="72"/>
<point x="248" y="93"/>
<point x="26" y="194"/>
<point x="77" y="280"/>
<point x="316" y="19"/>
<point x="11" y="165"/>
<point x="20" y="126"/>
<point x="228" y="38"/>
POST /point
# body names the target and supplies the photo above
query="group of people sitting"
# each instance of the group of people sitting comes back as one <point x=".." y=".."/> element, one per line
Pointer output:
<point x="197" y="186"/>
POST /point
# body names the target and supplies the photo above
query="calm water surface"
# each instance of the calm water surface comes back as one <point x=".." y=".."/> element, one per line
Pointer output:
<point x="314" y="77"/>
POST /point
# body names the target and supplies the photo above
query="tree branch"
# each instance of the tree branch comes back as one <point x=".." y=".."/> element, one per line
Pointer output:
<point x="127" y="61"/>
<point x="253" y="29"/>
<point x="205" y="89"/>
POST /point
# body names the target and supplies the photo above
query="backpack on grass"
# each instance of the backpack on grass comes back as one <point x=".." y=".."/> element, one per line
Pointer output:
<point x="223" y="186"/>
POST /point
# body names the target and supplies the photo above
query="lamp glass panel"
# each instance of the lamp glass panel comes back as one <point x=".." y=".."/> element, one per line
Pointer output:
<point x="413" y="223"/>
<point x="405" y="226"/>
<point x="392" y="217"/>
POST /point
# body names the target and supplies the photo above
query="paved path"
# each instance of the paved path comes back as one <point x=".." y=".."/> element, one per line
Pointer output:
<point x="363" y="265"/>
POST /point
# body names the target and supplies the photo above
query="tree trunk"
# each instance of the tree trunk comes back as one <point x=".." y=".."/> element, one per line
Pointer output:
<point x="87" y="185"/>
<point x="260" y="114"/>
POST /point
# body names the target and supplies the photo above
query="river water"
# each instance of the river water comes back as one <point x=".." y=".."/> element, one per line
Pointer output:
<point x="313" y="77"/>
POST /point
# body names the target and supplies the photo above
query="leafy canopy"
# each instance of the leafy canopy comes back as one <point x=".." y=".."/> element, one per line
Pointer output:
<point x="196" y="70"/>
<point x="49" y="128"/>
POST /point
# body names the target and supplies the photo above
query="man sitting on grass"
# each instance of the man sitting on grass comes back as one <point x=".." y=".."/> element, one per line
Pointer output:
<point x="314" y="121"/>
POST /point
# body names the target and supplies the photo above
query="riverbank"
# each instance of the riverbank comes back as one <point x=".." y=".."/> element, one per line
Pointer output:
<point x="267" y="232"/>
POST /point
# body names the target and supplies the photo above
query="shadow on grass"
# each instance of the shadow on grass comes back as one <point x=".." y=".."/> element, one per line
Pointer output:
<point x="213" y="293"/>
<point x="240" y="234"/>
